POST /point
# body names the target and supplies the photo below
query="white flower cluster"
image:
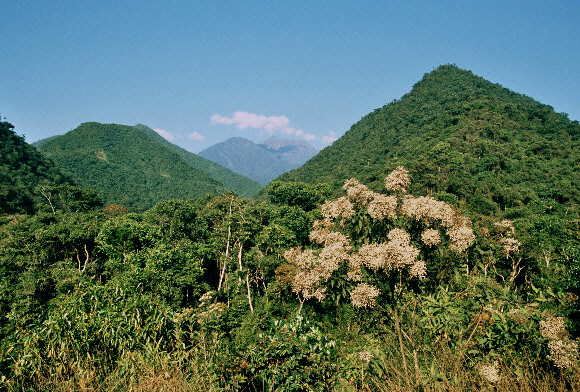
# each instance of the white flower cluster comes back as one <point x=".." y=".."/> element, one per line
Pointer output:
<point x="358" y="193"/>
<point x="396" y="255"/>
<point x="431" y="237"/>
<point x="429" y="210"/>
<point x="553" y="328"/>
<point x="341" y="208"/>
<point x="563" y="350"/>
<point x="383" y="207"/>
<point x="398" y="180"/>
<point x="490" y="372"/>
<point x="506" y="230"/>
<point x="510" y="245"/>
<point x="364" y="295"/>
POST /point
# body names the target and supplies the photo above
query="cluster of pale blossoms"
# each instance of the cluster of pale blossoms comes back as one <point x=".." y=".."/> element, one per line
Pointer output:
<point x="395" y="255"/>
<point x="358" y="193"/>
<point x="383" y="207"/>
<point x="553" y="328"/>
<point x="364" y="295"/>
<point x="507" y="230"/>
<point x="398" y="180"/>
<point x="510" y="245"/>
<point x="431" y="237"/>
<point x="506" y="226"/>
<point x="314" y="270"/>
<point x="430" y="210"/>
<point x="212" y="310"/>
<point x="490" y="372"/>
<point x="341" y="208"/>
<point x="563" y="350"/>
<point x="365" y="356"/>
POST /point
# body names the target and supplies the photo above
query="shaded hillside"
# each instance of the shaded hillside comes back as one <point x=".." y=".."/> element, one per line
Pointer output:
<point x="22" y="170"/>
<point x="464" y="138"/>
<point x="231" y="179"/>
<point x="261" y="162"/>
<point x="124" y="167"/>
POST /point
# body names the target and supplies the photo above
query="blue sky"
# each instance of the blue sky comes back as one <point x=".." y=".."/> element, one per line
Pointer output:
<point x="203" y="71"/>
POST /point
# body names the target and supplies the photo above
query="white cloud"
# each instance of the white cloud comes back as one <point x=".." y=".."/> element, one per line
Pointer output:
<point x="243" y="120"/>
<point x="330" y="137"/>
<point x="164" y="134"/>
<point x="271" y="124"/>
<point x="196" y="136"/>
<point x="305" y="136"/>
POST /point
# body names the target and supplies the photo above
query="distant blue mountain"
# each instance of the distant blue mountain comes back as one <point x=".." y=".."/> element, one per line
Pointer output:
<point x="262" y="162"/>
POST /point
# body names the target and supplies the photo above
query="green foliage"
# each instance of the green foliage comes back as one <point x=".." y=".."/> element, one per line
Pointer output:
<point x="299" y="194"/>
<point x="487" y="319"/>
<point x="22" y="170"/>
<point x="94" y="325"/>
<point x="232" y="181"/>
<point x="570" y="261"/>
<point x="178" y="219"/>
<point x="292" y="355"/>
<point x="98" y="298"/>
<point x="127" y="234"/>
<point x="41" y="256"/>
<point x="68" y="198"/>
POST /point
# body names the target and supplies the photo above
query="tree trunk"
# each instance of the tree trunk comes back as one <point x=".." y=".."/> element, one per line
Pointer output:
<point x="222" y="274"/>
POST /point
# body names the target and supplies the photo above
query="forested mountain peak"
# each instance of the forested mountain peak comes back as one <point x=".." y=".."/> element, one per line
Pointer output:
<point x="124" y="167"/>
<point x="463" y="138"/>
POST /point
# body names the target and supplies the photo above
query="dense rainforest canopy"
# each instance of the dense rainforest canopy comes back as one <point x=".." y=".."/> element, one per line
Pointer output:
<point x="22" y="171"/>
<point x="435" y="247"/>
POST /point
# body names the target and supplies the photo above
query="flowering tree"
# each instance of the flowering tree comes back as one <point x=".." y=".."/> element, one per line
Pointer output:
<point x="372" y="238"/>
<point x="375" y="245"/>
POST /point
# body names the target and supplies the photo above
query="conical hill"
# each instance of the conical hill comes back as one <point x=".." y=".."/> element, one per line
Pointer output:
<point x="463" y="139"/>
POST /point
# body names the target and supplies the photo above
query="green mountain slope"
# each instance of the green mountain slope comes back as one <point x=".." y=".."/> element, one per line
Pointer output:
<point x="124" y="167"/>
<point x="231" y="180"/>
<point x="459" y="134"/>
<point x="22" y="169"/>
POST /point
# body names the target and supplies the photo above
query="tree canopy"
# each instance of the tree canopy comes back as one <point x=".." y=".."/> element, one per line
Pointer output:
<point x="22" y="170"/>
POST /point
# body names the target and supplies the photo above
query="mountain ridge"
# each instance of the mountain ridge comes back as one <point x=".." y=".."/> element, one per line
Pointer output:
<point x="262" y="161"/>
<point x="242" y="185"/>
<point x="124" y="167"/>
